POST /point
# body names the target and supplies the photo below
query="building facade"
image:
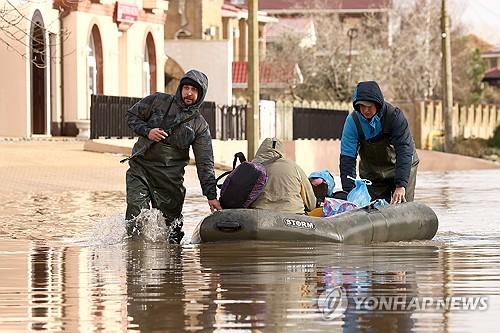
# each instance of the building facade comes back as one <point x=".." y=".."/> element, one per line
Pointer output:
<point x="492" y="74"/>
<point x="60" y="52"/>
<point x="210" y="35"/>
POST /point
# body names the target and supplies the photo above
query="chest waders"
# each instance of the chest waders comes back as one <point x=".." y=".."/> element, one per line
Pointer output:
<point x="156" y="177"/>
<point x="378" y="162"/>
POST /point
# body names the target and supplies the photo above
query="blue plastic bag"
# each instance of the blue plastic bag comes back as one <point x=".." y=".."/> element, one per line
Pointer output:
<point x="379" y="202"/>
<point x="359" y="194"/>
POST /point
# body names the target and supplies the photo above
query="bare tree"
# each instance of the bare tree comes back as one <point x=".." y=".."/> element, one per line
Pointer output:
<point x="400" y="51"/>
<point x="15" y="36"/>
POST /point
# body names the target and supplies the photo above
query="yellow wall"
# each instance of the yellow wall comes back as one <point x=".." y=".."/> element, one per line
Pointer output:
<point x="200" y="15"/>
<point x="193" y="16"/>
<point x="211" y="14"/>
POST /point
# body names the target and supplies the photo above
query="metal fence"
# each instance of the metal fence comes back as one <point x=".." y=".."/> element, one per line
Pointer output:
<point x="323" y="124"/>
<point x="291" y="120"/>
<point x="108" y="116"/>
<point x="232" y="122"/>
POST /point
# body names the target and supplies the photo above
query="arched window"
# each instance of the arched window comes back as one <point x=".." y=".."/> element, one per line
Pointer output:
<point x="39" y="63"/>
<point x="92" y="67"/>
<point x="146" y="74"/>
<point x="149" y="67"/>
<point x="95" y="82"/>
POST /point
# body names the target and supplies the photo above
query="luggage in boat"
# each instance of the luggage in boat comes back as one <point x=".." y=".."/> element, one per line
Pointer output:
<point x="402" y="222"/>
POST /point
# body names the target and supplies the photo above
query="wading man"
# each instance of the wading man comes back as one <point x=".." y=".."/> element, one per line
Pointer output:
<point x="380" y="133"/>
<point x="167" y="126"/>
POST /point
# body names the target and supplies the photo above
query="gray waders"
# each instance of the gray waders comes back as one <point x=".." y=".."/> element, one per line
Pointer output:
<point x="378" y="164"/>
<point x="156" y="178"/>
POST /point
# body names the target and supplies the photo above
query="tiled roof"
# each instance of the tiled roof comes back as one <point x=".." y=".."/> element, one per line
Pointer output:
<point x="324" y="4"/>
<point x="492" y="52"/>
<point x="269" y="74"/>
<point x="492" y="74"/>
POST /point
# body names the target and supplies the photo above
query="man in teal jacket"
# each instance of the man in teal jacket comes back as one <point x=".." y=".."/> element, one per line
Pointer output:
<point x="380" y="133"/>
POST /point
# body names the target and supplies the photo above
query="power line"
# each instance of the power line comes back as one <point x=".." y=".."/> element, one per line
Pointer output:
<point x="490" y="11"/>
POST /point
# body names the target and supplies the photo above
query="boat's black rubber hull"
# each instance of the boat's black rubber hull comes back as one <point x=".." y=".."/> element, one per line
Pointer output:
<point x="403" y="222"/>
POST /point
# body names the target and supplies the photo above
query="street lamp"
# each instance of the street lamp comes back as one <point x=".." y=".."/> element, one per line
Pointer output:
<point x="352" y="33"/>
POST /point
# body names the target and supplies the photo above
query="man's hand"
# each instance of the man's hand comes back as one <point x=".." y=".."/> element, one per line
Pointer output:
<point x="399" y="195"/>
<point x="157" y="134"/>
<point x="214" y="205"/>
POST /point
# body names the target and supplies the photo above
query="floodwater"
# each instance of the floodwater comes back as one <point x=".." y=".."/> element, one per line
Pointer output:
<point x="65" y="265"/>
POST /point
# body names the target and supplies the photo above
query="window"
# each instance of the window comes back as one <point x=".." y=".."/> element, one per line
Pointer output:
<point x="92" y="67"/>
<point x="146" y="74"/>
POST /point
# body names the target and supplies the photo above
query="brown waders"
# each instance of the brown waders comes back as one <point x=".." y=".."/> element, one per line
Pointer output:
<point x="157" y="178"/>
<point x="378" y="164"/>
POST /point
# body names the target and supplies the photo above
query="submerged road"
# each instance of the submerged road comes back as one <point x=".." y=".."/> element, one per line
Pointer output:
<point x="63" y="165"/>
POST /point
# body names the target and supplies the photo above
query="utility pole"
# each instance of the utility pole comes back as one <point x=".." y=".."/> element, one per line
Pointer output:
<point x="447" y="78"/>
<point x="252" y="113"/>
<point x="352" y="34"/>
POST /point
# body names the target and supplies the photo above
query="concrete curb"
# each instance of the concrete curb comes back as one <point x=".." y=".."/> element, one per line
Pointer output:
<point x="429" y="160"/>
<point x="125" y="148"/>
<point x="99" y="147"/>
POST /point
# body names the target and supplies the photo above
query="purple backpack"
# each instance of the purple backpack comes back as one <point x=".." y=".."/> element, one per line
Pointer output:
<point x="243" y="184"/>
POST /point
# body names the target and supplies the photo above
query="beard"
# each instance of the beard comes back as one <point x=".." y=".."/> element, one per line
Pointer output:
<point x="188" y="101"/>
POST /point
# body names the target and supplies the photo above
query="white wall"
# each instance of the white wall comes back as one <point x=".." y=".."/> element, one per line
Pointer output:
<point x="123" y="55"/>
<point x="15" y="85"/>
<point x="79" y="25"/>
<point x="119" y="77"/>
<point x="131" y="57"/>
<point x="212" y="58"/>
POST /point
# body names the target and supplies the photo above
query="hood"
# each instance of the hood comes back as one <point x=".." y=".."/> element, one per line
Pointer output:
<point x="327" y="177"/>
<point x="267" y="152"/>
<point x="201" y="81"/>
<point x="368" y="91"/>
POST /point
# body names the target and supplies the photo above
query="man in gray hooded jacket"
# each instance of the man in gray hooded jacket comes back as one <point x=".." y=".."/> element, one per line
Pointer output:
<point x="167" y="126"/>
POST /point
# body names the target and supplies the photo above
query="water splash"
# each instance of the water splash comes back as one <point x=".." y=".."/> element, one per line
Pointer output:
<point x="108" y="231"/>
<point x="150" y="226"/>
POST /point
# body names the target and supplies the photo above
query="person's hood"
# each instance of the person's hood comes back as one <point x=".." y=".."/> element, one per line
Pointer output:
<point x="269" y="149"/>
<point x="327" y="177"/>
<point x="198" y="79"/>
<point x="368" y="91"/>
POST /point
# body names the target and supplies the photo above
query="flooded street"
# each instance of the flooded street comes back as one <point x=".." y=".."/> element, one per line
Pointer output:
<point x="66" y="266"/>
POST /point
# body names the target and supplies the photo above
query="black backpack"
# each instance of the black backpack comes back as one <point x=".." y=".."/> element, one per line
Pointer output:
<point x="244" y="183"/>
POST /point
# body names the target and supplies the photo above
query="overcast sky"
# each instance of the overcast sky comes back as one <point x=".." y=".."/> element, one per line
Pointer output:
<point x="481" y="16"/>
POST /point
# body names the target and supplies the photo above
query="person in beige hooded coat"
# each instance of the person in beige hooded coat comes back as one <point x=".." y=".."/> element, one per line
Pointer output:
<point x="288" y="189"/>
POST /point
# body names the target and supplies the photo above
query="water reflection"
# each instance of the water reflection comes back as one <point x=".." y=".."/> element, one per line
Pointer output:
<point x="116" y="285"/>
<point x="55" y="215"/>
<point x="146" y="287"/>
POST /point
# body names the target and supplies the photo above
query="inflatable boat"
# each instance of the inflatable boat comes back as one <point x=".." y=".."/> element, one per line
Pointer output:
<point x="402" y="222"/>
